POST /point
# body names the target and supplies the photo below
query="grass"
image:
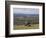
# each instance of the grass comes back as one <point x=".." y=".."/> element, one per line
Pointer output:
<point x="20" y="27"/>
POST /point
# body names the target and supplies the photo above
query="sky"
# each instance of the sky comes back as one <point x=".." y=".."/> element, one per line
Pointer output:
<point x="26" y="11"/>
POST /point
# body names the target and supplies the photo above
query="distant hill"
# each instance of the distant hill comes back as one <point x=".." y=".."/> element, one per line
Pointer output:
<point x="19" y="15"/>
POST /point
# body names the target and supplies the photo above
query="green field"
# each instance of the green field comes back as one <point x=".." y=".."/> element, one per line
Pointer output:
<point x="20" y="27"/>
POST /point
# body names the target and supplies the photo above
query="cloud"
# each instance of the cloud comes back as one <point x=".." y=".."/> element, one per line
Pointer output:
<point x="26" y="10"/>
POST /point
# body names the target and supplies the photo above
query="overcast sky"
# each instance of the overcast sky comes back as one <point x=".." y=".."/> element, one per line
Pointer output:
<point x="25" y="11"/>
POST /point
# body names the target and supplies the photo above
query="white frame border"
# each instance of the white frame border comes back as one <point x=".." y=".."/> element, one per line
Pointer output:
<point x="29" y="30"/>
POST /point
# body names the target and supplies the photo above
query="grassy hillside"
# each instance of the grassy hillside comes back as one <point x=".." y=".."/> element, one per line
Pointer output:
<point x="21" y="19"/>
<point x="20" y="27"/>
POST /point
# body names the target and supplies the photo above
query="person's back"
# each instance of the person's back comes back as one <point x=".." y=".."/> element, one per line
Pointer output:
<point x="26" y="23"/>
